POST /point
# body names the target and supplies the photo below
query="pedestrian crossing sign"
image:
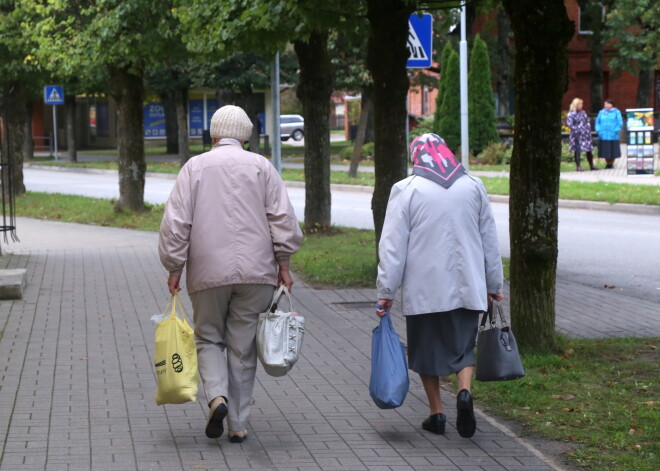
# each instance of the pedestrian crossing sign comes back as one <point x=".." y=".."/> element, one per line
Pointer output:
<point x="420" y="41"/>
<point x="53" y="95"/>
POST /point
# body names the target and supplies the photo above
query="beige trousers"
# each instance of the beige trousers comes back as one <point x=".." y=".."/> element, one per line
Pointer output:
<point x="226" y="320"/>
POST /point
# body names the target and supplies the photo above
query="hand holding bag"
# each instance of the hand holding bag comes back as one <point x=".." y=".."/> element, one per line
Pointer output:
<point x="389" y="382"/>
<point x="175" y="356"/>
<point x="279" y="336"/>
<point x="497" y="351"/>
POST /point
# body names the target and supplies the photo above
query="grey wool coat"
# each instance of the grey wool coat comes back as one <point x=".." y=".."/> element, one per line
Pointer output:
<point x="439" y="245"/>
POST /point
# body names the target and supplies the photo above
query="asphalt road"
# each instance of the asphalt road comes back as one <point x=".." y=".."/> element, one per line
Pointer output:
<point x="596" y="248"/>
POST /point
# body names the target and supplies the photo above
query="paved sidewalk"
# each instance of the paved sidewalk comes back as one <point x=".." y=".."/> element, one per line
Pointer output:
<point x="77" y="383"/>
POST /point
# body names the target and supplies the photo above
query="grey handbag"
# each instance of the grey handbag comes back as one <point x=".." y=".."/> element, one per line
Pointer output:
<point x="279" y="336"/>
<point x="497" y="351"/>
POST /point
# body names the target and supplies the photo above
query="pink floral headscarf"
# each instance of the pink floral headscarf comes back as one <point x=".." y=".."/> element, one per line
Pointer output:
<point x="432" y="159"/>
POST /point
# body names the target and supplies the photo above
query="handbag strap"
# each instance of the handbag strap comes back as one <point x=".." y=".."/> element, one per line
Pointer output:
<point x="494" y="310"/>
<point x="276" y="298"/>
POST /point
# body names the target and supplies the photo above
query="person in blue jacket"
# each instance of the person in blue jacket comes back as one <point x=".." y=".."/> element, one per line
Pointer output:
<point x="608" y="126"/>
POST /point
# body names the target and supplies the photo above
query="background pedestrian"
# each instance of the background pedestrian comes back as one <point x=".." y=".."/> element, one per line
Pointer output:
<point x="608" y="127"/>
<point x="580" y="137"/>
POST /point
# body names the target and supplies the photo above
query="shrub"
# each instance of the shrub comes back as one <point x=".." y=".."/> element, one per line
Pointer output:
<point x="481" y="103"/>
<point x="442" y="85"/>
<point x="449" y="127"/>
<point x="367" y="151"/>
<point x="495" y="153"/>
<point x="425" y="126"/>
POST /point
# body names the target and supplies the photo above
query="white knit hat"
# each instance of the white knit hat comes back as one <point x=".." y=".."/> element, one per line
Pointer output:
<point x="231" y="121"/>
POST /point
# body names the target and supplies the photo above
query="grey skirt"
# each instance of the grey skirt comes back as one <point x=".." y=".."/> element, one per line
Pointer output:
<point x="442" y="343"/>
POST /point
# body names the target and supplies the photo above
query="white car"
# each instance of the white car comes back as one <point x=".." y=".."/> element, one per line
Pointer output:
<point x="292" y="125"/>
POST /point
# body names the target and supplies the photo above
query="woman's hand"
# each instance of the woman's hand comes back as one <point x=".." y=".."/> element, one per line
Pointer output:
<point x="499" y="297"/>
<point x="385" y="305"/>
<point x="173" y="284"/>
<point x="284" y="278"/>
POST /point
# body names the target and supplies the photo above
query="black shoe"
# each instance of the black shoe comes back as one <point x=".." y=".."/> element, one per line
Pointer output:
<point x="466" y="424"/>
<point x="214" y="427"/>
<point x="435" y="424"/>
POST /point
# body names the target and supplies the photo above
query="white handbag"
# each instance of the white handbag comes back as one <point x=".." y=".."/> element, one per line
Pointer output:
<point x="279" y="336"/>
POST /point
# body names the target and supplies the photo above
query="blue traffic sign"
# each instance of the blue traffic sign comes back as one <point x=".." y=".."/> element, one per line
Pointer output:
<point x="53" y="95"/>
<point x="420" y="41"/>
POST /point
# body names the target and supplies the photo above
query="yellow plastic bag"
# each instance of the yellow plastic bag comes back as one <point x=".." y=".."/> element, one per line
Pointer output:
<point x="175" y="357"/>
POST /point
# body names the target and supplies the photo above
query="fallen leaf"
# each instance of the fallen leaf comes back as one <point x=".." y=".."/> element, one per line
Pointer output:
<point x="649" y="403"/>
<point x="84" y="358"/>
<point x="632" y="431"/>
<point x="639" y="447"/>
<point x="652" y="347"/>
<point x="199" y="466"/>
<point x="566" y="397"/>
<point x="526" y="408"/>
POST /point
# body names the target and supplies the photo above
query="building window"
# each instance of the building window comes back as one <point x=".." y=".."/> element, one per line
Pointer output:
<point x="586" y="19"/>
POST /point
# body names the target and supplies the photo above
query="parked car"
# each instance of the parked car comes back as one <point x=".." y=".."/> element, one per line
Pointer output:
<point x="292" y="125"/>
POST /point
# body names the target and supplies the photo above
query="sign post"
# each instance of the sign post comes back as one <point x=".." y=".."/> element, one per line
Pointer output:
<point x="420" y="50"/>
<point x="53" y="95"/>
<point x="639" y="124"/>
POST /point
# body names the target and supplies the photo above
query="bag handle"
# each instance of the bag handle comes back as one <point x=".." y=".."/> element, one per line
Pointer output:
<point x="172" y="304"/>
<point x="492" y="316"/>
<point x="276" y="298"/>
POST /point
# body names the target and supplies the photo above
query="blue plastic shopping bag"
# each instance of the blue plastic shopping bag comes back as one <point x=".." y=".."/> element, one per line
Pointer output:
<point x="389" y="381"/>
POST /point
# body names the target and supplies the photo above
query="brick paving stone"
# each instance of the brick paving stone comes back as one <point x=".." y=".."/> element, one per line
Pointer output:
<point x="77" y="384"/>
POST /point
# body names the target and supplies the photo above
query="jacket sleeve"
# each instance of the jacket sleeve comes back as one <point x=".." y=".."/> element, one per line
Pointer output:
<point x="491" y="246"/>
<point x="393" y="246"/>
<point x="600" y="113"/>
<point x="175" y="227"/>
<point x="284" y="229"/>
<point x="619" y="122"/>
<point x="569" y="120"/>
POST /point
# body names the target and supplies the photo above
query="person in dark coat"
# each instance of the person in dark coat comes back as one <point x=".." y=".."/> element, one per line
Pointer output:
<point x="580" y="137"/>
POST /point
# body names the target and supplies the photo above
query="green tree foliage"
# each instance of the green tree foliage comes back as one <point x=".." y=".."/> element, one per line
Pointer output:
<point x="442" y="85"/>
<point x="481" y="103"/>
<point x="449" y="125"/>
<point x="634" y="26"/>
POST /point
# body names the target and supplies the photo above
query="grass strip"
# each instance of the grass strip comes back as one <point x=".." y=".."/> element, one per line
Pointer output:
<point x="85" y="210"/>
<point x="600" y="395"/>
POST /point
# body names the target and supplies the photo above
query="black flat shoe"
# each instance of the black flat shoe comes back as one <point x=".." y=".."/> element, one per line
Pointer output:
<point x="435" y="423"/>
<point x="466" y="424"/>
<point x="214" y="427"/>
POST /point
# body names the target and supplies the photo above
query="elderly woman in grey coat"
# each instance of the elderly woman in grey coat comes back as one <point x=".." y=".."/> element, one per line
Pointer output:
<point x="439" y="245"/>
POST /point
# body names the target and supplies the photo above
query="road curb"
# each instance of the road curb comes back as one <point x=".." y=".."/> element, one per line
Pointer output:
<point x="641" y="209"/>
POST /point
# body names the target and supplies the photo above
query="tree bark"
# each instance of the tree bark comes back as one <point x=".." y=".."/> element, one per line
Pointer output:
<point x="361" y="132"/>
<point x="127" y="89"/>
<point x="644" y="88"/>
<point x="542" y="31"/>
<point x="13" y="112"/>
<point x="28" y="141"/>
<point x="182" y="125"/>
<point x="386" y="60"/>
<point x="595" y="10"/>
<point x="504" y="74"/>
<point x="315" y="86"/>
<point x="70" y="113"/>
<point x="171" y="124"/>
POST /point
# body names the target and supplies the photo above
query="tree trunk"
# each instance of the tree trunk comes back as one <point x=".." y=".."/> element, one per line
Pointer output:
<point x="13" y="112"/>
<point x="504" y="74"/>
<point x="596" y="44"/>
<point x="253" y="104"/>
<point x="128" y="92"/>
<point x="541" y="31"/>
<point x="171" y="124"/>
<point x="70" y="113"/>
<point x="644" y="88"/>
<point x="361" y="132"/>
<point x="315" y="86"/>
<point x="386" y="60"/>
<point x="28" y="141"/>
<point x="182" y="125"/>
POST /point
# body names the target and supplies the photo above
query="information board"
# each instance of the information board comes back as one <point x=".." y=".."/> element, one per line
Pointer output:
<point x="639" y="155"/>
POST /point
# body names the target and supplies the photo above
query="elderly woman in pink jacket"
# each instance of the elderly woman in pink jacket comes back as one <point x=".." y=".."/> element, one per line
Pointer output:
<point x="229" y="221"/>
